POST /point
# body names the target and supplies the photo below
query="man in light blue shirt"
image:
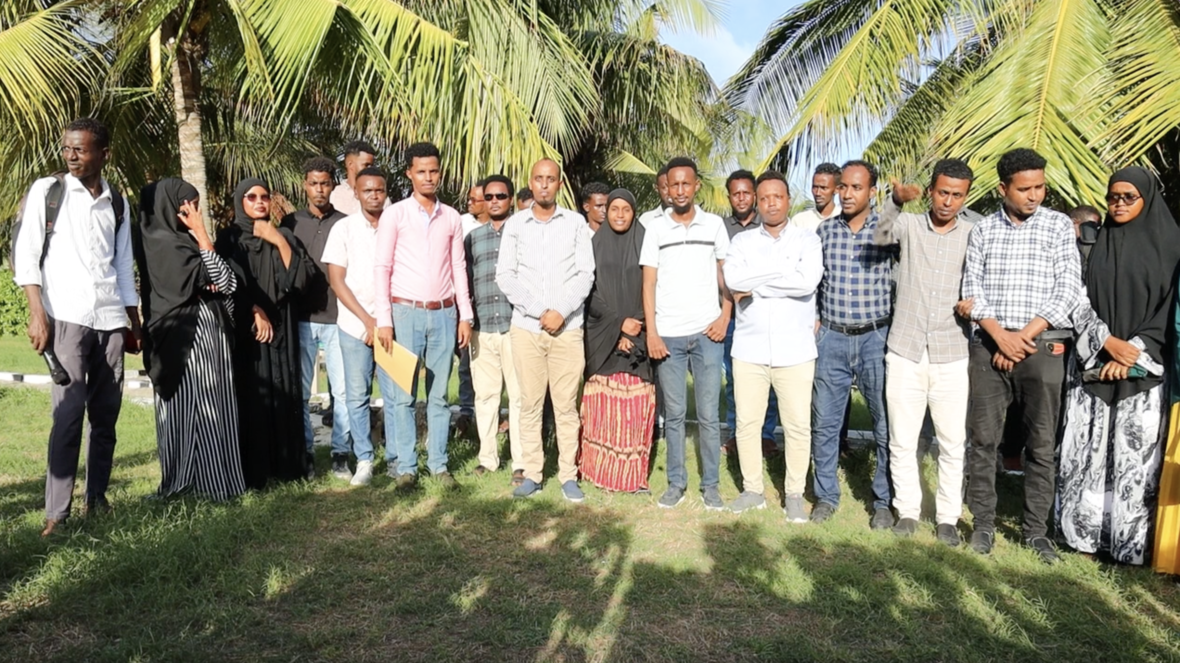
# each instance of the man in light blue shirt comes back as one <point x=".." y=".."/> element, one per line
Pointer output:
<point x="773" y="273"/>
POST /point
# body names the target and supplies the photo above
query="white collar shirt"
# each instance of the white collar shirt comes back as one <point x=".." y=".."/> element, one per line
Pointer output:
<point x="775" y="323"/>
<point x="88" y="278"/>
<point x="685" y="256"/>
<point x="352" y="244"/>
<point x="810" y="218"/>
<point x="343" y="198"/>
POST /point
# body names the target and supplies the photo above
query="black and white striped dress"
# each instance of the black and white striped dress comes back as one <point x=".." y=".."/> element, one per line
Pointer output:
<point x="197" y="429"/>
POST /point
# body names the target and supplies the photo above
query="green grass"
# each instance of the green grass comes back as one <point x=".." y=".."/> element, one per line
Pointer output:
<point x="17" y="356"/>
<point x="318" y="572"/>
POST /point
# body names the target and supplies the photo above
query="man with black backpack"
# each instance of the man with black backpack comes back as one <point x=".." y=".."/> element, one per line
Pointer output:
<point x="72" y="256"/>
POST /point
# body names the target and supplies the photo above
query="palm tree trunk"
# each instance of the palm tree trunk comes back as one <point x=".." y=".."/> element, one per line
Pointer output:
<point x="186" y="88"/>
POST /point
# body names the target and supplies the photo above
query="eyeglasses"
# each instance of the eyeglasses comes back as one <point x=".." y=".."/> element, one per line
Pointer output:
<point x="495" y="196"/>
<point x="1124" y="198"/>
<point x="264" y="197"/>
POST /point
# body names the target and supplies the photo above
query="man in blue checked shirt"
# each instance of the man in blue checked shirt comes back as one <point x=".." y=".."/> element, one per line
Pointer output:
<point x="855" y="310"/>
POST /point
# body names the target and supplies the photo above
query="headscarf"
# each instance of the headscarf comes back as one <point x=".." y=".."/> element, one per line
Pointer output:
<point x="172" y="280"/>
<point x="1131" y="279"/>
<point x="265" y="265"/>
<point x="617" y="295"/>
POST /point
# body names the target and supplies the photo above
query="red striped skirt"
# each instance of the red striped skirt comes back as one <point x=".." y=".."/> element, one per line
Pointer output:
<point x="618" y="413"/>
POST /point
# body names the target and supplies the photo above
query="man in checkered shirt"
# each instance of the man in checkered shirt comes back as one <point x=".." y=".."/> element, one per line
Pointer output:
<point x="855" y="308"/>
<point x="1022" y="279"/>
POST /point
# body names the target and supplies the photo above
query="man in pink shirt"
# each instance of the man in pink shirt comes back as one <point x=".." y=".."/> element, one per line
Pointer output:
<point x="422" y="299"/>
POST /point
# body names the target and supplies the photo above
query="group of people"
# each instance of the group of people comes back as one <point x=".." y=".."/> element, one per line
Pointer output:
<point x="983" y="326"/>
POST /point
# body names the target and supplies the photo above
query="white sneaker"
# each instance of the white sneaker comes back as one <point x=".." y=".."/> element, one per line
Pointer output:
<point x="364" y="473"/>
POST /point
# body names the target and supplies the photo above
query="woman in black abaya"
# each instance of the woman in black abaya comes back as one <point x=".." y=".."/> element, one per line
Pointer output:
<point x="271" y="269"/>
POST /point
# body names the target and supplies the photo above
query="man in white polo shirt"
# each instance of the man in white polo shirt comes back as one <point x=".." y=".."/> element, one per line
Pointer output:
<point x="687" y="311"/>
<point x="349" y="256"/>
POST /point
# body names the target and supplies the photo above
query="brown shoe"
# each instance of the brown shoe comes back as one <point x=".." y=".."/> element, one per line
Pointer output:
<point x="504" y="426"/>
<point x="50" y="527"/>
<point x="730" y="446"/>
<point x="517" y="477"/>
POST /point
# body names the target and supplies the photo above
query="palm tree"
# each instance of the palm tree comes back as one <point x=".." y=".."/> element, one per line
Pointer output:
<point x="1091" y="84"/>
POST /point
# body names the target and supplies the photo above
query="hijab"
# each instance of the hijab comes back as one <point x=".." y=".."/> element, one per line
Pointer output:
<point x="617" y="295"/>
<point x="172" y="280"/>
<point x="265" y="263"/>
<point x="1131" y="278"/>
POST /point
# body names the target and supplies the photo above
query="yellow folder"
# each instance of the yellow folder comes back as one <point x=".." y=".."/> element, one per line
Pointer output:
<point x="400" y="364"/>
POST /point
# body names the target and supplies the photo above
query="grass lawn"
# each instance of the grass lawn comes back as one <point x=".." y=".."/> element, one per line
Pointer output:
<point x="318" y="572"/>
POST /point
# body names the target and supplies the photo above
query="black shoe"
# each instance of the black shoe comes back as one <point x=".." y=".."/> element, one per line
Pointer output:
<point x="982" y="541"/>
<point x="882" y="519"/>
<point x="406" y="483"/>
<point x="948" y="535"/>
<point x="309" y="464"/>
<point x="1045" y="548"/>
<point x="340" y="467"/>
<point x="97" y="506"/>
<point x="446" y="481"/>
<point x="906" y="527"/>
<point x="480" y="470"/>
<point x="822" y="512"/>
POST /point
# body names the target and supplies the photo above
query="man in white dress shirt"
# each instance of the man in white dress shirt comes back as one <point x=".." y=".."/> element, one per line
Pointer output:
<point x="773" y="273"/>
<point x="358" y="155"/>
<point x="823" y="192"/>
<point x="81" y="293"/>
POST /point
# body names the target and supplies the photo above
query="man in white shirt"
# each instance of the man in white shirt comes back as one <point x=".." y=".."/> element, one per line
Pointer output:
<point x="773" y="272"/>
<point x="358" y="155"/>
<point x="81" y="294"/>
<point x="823" y="192"/>
<point x="661" y="187"/>
<point x="687" y="311"/>
<point x="477" y="209"/>
<point x="350" y="257"/>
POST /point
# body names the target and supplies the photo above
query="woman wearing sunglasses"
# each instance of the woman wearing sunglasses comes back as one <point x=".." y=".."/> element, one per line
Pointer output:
<point x="1110" y="457"/>
<point x="272" y="269"/>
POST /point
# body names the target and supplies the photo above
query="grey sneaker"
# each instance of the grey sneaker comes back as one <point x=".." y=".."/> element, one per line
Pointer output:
<point x="747" y="501"/>
<point x="391" y="469"/>
<point x="711" y="496"/>
<point x="795" y="509"/>
<point x="671" y="498"/>
<point x="947" y="534"/>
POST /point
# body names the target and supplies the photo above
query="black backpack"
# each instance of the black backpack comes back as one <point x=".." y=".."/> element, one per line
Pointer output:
<point x="53" y="197"/>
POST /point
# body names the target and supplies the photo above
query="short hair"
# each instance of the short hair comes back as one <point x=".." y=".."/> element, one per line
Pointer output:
<point x="863" y="164"/>
<point x="956" y="169"/>
<point x="372" y="171"/>
<point x="662" y="171"/>
<point x="420" y="151"/>
<point x="1018" y="161"/>
<point x="772" y="176"/>
<point x="738" y="175"/>
<point x="591" y="189"/>
<point x="1084" y="213"/>
<point x="320" y="165"/>
<point x="502" y="180"/>
<point x="828" y="168"/>
<point x="478" y="183"/>
<point x="102" y="136"/>
<point x="682" y="162"/>
<point x="524" y="194"/>
<point x="358" y="147"/>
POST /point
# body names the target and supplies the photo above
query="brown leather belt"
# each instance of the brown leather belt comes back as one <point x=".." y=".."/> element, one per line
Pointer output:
<point x="429" y="306"/>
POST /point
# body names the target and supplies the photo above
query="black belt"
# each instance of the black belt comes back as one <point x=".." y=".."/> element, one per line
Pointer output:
<point x="857" y="330"/>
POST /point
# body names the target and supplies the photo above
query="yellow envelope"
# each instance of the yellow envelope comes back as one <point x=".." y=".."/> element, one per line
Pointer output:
<point x="400" y="364"/>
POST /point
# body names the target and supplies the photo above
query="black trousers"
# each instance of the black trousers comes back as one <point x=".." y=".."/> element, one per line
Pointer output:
<point x="1035" y="386"/>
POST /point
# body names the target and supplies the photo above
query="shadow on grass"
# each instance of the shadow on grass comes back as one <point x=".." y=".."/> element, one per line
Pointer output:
<point x="367" y="575"/>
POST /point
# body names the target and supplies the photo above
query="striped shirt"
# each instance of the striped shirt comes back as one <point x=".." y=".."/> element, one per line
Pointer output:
<point x="1019" y="272"/>
<point x="929" y="274"/>
<point x="493" y="313"/>
<point x="546" y="265"/>
<point x="686" y="256"/>
<point x="858" y="275"/>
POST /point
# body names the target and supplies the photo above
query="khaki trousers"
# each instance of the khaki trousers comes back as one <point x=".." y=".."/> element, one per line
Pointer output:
<point x="909" y="389"/>
<point x="554" y="363"/>
<point x="491" y="371"/>
<point x="792" y="385"/>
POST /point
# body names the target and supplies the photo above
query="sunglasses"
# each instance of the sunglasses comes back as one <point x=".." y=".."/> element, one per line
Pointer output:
<point x="1124" y="198"/>
<point x="264" y="197"/>
<point x="495" y="196"/>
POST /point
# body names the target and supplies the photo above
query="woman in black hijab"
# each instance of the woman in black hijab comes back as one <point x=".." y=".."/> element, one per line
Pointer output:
<point x="1110" y="457"/>
<point x="271" y="269"/>
<point x="185" y="288"/>
<point x="619" y="398"/>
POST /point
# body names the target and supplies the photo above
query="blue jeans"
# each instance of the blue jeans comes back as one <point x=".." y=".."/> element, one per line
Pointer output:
<point x="703" y="357"/>
<point x="312" y="337"/>
<point x="771" y="421"/>
<point x="431" y="336"/>
<point x="841" y="357"/>
<point x="358" y="380"/>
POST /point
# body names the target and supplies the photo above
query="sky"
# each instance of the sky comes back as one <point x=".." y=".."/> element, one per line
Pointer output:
<point x="744" y="24"/>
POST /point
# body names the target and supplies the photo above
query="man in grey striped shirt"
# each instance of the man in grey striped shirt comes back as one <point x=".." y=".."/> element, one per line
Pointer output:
<point x="546" y="269"/>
